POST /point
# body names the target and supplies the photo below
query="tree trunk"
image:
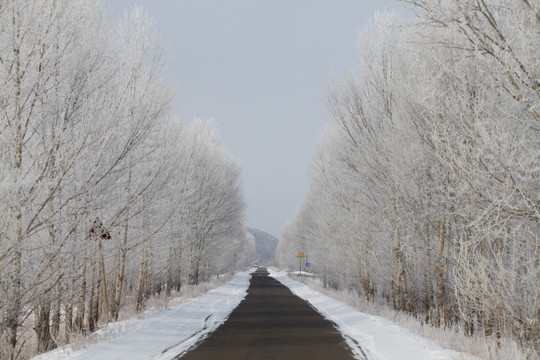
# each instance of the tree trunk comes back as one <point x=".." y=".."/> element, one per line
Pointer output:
<point x="103" y="280"/>
<point x="10" y="321"/>
<point x="56" y="316"/>
<point x="141" y="283"/>
<point x="68" y="321"/>
<point x="177" y="275"/>
<point x="368" y="288"/>
<point x="115" y="306"/>
<point x="42" y="314"/>
<point x="428" y="295"/>
<point x="170" y="268"/>
<point x="169" y="278"/>
<point x="400" y="288"/>
<point x="469" y="319"/>
<point x="440" y="276"/>
<point x="93" y="302"/>
<point x="120" y="275"/>
<point x="13" y="308"/>
<point x="78" y="323"/>
<point x="401" y="282"/>
<point x="193" y="275"/>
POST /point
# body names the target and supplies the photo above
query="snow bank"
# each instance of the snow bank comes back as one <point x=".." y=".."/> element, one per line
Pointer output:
<point x="165" y="334"/>
<point x="369" y="336"/>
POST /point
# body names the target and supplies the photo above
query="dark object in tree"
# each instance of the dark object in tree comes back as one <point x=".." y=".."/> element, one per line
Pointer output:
<point x="99" y="230"/>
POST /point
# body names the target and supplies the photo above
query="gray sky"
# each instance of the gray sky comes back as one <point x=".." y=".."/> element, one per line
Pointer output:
<point x="259" y="68"/>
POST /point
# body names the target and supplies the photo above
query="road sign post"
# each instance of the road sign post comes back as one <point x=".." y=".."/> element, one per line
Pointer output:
<point x="300" y="256"/>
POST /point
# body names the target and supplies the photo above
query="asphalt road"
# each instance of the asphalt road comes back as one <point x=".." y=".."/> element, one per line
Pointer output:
<point x="272" y="323"/>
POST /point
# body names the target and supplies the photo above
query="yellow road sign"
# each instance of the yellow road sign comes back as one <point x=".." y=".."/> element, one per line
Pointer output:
<point x="300" y="254"/>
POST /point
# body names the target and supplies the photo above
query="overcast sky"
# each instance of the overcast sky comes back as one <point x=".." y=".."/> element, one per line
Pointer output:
<point x="259" y="68"/>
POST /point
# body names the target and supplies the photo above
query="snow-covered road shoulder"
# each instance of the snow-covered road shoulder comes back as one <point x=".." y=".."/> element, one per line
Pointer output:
<point x="165" y="334"/>
<point x="371" y="337"/>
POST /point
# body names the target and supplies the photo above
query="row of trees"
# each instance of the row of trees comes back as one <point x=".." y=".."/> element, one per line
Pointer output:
<point x="425" y="188"/>
<point x="106" y="199"/>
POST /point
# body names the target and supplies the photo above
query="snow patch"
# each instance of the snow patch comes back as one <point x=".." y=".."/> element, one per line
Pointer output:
<point x="165" y="334"/>
<point x="370" y="337"/>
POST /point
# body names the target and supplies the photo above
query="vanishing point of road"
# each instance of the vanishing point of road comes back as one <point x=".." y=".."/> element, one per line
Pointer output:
<point x="272" y="323"/>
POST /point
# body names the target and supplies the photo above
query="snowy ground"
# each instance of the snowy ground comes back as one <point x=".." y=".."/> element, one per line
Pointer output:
<point x="369" y="336"/>
<point x="165" y="334"/>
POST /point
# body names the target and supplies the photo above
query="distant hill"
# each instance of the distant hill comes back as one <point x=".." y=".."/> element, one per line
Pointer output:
<point x="265" y="245"/>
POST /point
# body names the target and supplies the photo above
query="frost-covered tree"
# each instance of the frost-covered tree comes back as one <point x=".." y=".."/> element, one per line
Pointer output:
<point x="424" y="189"/>
<point x="51" y="73"/>
<point x="211" y="202"/>
<point x="92" y="174"/>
